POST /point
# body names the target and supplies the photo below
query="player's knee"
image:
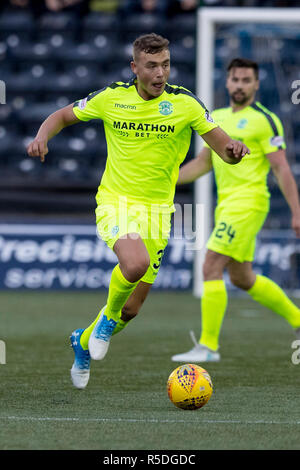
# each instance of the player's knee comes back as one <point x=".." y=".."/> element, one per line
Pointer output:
<point x="211" y="271"/>
<point x="240" y="281"/>
<point x="136" y="268"/>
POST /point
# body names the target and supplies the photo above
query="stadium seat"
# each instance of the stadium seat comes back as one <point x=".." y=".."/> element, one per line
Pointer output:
<point x="73" y="146"/>
<point x="73" y="157"/>
<point x="57" y="44"/>
<point x="183" y="51"/>
<point x="96" y="23"/>
<point x="119" y="71"/>
<point x="182" y="76"/>
<point x="18" y="23"/>
<point x="31" y="53"/>
<point x="123" y="55"/>
<point x="60" y="99"/>
<point x="3" y="54"/>
<point x="84" y="53"/>
<point x="24" y="169"/>
<point x="88" y="79"/>
<point x="64" y="23"/>
<point x="7" y="139"/>
<point x="141" y="23"/>
<point x="36" y="113"/>
<point x="85" y="70"/>
<point x="80" y="85"/>
<point x="12" y="154"/>
<point x="74" y="170"/>
<point x="106" y="47"/>
<point x="91" y="131"/>
<point x="180" y="26"/>
<point x="27" y="82"/>
<point x="37" y="68"/>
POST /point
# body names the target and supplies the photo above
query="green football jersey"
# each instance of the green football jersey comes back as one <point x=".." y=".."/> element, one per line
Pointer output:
<point x="245" y="184"/>
<point x="146" y="140"/>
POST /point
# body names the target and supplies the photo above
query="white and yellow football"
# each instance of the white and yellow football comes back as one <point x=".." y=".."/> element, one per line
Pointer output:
<point x="189" y="387"/>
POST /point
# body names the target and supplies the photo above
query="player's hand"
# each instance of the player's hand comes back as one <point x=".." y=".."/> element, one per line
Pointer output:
<point x="236" y="150"/>
<point x="296" y="224"/>
<point x="38" y="148"/>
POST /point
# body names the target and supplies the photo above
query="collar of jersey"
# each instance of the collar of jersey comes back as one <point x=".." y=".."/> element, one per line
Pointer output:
<point x="244" y="109"/>
<point x="133" y="82"/>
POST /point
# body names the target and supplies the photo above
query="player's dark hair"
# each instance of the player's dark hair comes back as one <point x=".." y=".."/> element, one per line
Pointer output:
<point x="244" y="63"/>
<point x="150" y="44"/>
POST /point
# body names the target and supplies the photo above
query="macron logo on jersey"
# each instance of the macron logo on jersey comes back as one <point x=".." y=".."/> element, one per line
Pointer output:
<point x="125" y="106"/>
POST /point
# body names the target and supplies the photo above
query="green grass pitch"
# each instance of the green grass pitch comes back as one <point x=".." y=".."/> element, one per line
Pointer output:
<point x="255" y="404"/>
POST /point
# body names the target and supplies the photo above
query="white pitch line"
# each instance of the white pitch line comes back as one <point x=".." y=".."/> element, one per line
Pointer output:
<point x="133" y="420"/>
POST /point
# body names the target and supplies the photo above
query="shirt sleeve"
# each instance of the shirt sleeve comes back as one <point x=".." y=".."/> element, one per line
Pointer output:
<point x="272" y="135"/>
<point x="91" y="107"/>
<point x="204" y="144"/>
<point x="201" y="120"/>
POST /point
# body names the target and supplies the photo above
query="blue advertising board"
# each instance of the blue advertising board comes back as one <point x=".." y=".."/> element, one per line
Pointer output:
<point x="51" y="256"/>
<point x="73" y="257"/>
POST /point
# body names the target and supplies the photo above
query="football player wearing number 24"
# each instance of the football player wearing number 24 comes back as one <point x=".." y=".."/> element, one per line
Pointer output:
<point x="242" y="207"/>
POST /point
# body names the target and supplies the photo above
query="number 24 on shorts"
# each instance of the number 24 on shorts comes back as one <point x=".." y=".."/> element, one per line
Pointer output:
<point x="224" y="229"/>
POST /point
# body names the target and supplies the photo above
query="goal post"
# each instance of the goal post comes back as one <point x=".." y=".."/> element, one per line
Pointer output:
<point x="207" y="19"/>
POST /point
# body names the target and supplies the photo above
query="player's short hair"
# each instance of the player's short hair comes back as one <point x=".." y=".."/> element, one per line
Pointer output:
<point x="150" y="44"/>
<point x="244" y="63"/>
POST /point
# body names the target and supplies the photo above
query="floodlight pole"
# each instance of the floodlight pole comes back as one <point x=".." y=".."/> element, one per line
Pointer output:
<point x="207" y="18"/>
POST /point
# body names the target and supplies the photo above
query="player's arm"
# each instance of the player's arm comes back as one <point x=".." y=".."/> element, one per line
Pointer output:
<point x="50" y="127"/>
<point x="195" y="168"/>
<point x="287" y="185"/>
<point x="231" y="151"/>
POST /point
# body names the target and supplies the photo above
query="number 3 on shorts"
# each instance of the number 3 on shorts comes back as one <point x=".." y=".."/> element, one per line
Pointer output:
<point x="160" y="255"/>
<point x="224" y="229"/>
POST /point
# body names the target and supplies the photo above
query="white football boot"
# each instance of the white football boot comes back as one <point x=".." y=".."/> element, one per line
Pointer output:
<point x="100" y="337"/>
<point x="80" y="372"/>
<point x="199" y="353"/>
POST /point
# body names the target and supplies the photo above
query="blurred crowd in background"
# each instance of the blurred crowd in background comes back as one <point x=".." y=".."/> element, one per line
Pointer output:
<point x="165" y="7"/>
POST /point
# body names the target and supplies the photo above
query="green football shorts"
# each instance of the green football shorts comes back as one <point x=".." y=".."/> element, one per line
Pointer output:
<point x="117" y="217"/>
<point x="235" y="232"/>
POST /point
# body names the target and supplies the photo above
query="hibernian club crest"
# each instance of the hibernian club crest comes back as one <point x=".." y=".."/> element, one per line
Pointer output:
<point x="242" y="123"/>
<point x="165" y="108"/>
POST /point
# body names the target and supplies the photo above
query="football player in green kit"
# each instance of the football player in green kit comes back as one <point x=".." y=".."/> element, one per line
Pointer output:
<point x="148" y="125"/>
<point x="242" y="207"/>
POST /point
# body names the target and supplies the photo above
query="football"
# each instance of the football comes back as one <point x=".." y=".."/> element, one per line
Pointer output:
<point x="189" y="387"/>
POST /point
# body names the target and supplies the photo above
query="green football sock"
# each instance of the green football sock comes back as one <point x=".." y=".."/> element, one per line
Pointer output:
<point x="120" y="326"/>
<point x="119" y="291"/>
<point x="84" y="338"/>
<point x="270" y="295"/>
<point x="213" y="307"/>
